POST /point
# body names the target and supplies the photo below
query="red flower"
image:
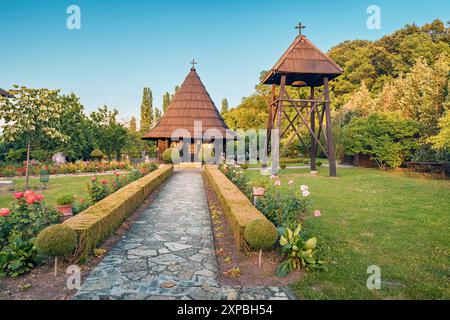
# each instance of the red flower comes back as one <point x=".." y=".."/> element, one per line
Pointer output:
<point x="104" y="181"/>
<point x="4" y="212"/>
<point x="39" y="197"/>
<point x="30" y="199"/>
<point x="29" y="193"/>
<point x="18" y="195"/>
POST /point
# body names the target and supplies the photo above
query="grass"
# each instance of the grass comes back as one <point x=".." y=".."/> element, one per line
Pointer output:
<point x="291" y="162"/>
<point x="57" y="187"/>
<point x="370" y="217"/>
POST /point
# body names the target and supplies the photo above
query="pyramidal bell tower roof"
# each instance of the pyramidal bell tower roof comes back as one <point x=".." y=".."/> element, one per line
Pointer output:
<point x="191" y="103"/>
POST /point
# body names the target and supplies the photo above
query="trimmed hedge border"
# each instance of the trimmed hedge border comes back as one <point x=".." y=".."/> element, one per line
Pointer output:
<point x="99" y="221"/>
<point x="239" y="210"/>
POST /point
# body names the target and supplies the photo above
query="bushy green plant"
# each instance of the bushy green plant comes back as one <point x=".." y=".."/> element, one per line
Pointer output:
<point x="18" y="228"/>
<point x="283" y="165"/>
<point x="319" y="163"/>
<point x="65" y="200"/>
<point x="80" y="205"/>
<point x="260" y="234"/>
<point x="171" y="155"/>
<point x="244" y="166"/>
<point x="98" y="190"/>
<point x="206" y="155"/>
<point x="19" y="256"/>
<point x="284" y="208"/>
<point x="57" y="240"/>
<point x="298" y="252"/>
<point x="97" y="154"/>
<point x="236" y="175"/>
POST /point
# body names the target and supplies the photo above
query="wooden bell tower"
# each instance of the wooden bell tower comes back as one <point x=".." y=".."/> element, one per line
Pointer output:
<point x="302" y="65"/>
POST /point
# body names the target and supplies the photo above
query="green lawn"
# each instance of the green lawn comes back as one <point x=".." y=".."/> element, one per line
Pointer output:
<point x="370" y="217"/>
<point x="57" y="187"/>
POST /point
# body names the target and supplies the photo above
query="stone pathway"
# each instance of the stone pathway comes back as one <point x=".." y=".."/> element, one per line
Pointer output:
<point x="168" y="253"/>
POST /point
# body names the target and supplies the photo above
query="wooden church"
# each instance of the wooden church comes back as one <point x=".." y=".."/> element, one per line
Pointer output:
<point x="191" y="106"/>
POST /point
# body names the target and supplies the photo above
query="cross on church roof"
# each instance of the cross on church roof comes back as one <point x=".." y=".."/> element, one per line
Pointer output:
<point x="193" y="64"/>
<point x="300" y="27"/>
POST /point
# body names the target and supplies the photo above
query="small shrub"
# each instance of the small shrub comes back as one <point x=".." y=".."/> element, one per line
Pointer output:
<point x="57" y="241"/>
<point x="319" y="163"/>
<point x="65" y="200"/>
<point x="260" y="234"/>
<point x="244" y="166"/>
<point x="98" y="190"/>
<point x="206" y="155"/>
<point x="97" y="154"/>
<point x="79" y="206"/>
<point x="283" y="165"/>
<point x="167" y="156"/>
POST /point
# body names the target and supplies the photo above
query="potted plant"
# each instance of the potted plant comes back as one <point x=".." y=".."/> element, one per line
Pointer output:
<point x="65" y="203"/>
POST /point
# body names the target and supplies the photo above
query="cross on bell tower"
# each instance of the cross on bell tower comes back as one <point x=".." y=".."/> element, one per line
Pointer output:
<point x="193" y="64"/>
<point x="300" y="26"/>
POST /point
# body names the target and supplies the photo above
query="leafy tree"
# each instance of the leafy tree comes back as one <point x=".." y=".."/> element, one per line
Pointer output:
<point x="132" y="126"/>
<point x="146" y="110"/>
<point x="388" y="139"/>
<point x="30" y="111"/>
<point x="166" y="101"/>
<point x="110" y="135"/>
<point x="224" y="108"/>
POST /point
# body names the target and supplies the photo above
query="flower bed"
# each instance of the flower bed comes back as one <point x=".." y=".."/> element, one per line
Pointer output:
<point x="19" y="227"/>
<point x="13" y="170"/>
<point x="286" y="209"/>
<point x="237" y="206"/>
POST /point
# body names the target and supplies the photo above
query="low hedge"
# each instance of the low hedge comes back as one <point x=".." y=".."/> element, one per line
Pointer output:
<point x="99" y="221"/>
<point x="239" y="210"/>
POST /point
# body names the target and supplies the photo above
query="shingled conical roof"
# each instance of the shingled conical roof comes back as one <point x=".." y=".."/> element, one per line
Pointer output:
<point x="303" y="62"/>
<point x="191" y="103"/>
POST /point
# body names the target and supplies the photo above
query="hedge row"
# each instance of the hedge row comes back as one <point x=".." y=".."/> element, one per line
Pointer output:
<point x="239" y="210"/>
<point x="99" y="221"/>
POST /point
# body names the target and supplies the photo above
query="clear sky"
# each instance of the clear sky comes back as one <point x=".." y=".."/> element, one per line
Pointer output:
<point x="125" y="45"/>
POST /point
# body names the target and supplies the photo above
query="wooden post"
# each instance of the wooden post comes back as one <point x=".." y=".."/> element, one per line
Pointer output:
<point x="276" y="140"/>
<point x="330" y="147"/>
<point x="313" y="128"/>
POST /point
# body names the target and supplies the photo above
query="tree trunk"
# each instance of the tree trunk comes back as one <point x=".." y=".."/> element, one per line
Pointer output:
<point x="27" y="171"/>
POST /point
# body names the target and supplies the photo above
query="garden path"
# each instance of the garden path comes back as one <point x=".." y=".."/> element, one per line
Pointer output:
<point x="168" y="253"/>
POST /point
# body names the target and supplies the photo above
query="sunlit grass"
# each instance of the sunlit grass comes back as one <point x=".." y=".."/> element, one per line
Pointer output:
<point x="370" y="217"/>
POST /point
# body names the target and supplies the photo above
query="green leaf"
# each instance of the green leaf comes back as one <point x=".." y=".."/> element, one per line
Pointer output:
<point x="311" y="243"/>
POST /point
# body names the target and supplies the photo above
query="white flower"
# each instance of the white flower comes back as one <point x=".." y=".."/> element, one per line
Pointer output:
<point x="306" y="193"/>
<point x="304" y="187"/>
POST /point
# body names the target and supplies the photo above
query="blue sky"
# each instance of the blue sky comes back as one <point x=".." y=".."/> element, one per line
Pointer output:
<point x="125" y="45"/>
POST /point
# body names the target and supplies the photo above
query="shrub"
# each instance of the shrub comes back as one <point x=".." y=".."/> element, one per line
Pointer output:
<point x="98" y="190"/>
<point x="167" y="156"/>
<point x="65" y="200"/>
<point x="57" y="241"/>
<point x="79" y="206"/>
<point x="260" y="234"/>
<point x="244" y="166"/>
<point x="18" y="257"/>
<point x="319" y="163"/>
<point x="97" y="154"/>
<point x="206" y="155"/>
<point x="283" y="165"/>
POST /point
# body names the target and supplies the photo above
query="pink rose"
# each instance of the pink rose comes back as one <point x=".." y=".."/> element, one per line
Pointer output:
<point x="30" y="199"/>
<point x="291" y="182"/>
<point x="29" y="193"/>
<point x="39" y="197"/>
<point x="4" y="212"/>
<point x="18" y="195"/>
<point x="317" y="213"/>
<point x="278" y="183"/>
<point x="104" y="181"/>
<point x="93" y="179"/>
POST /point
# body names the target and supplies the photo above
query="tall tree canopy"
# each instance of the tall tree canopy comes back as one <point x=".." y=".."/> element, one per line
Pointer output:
<point x="146" y="110"/>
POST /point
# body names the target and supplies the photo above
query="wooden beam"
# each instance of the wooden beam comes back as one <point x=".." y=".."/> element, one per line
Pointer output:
<point x="276" y="144"/>
<point x="313" y="128"/>
<point x="329" y="129"/>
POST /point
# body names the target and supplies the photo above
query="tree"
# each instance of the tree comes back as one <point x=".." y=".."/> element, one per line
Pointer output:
<point x="110" y="135"/>
<point x="166" y="101"/>
<point x="146" y="110"/>
<point x="224" y="108"/>
<point x="157" y="117"/>
<point x="30" y="111"/>
<point x="388" y="139"/>
<point x="132" y="126"/>
<point x="441" y="141"/>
